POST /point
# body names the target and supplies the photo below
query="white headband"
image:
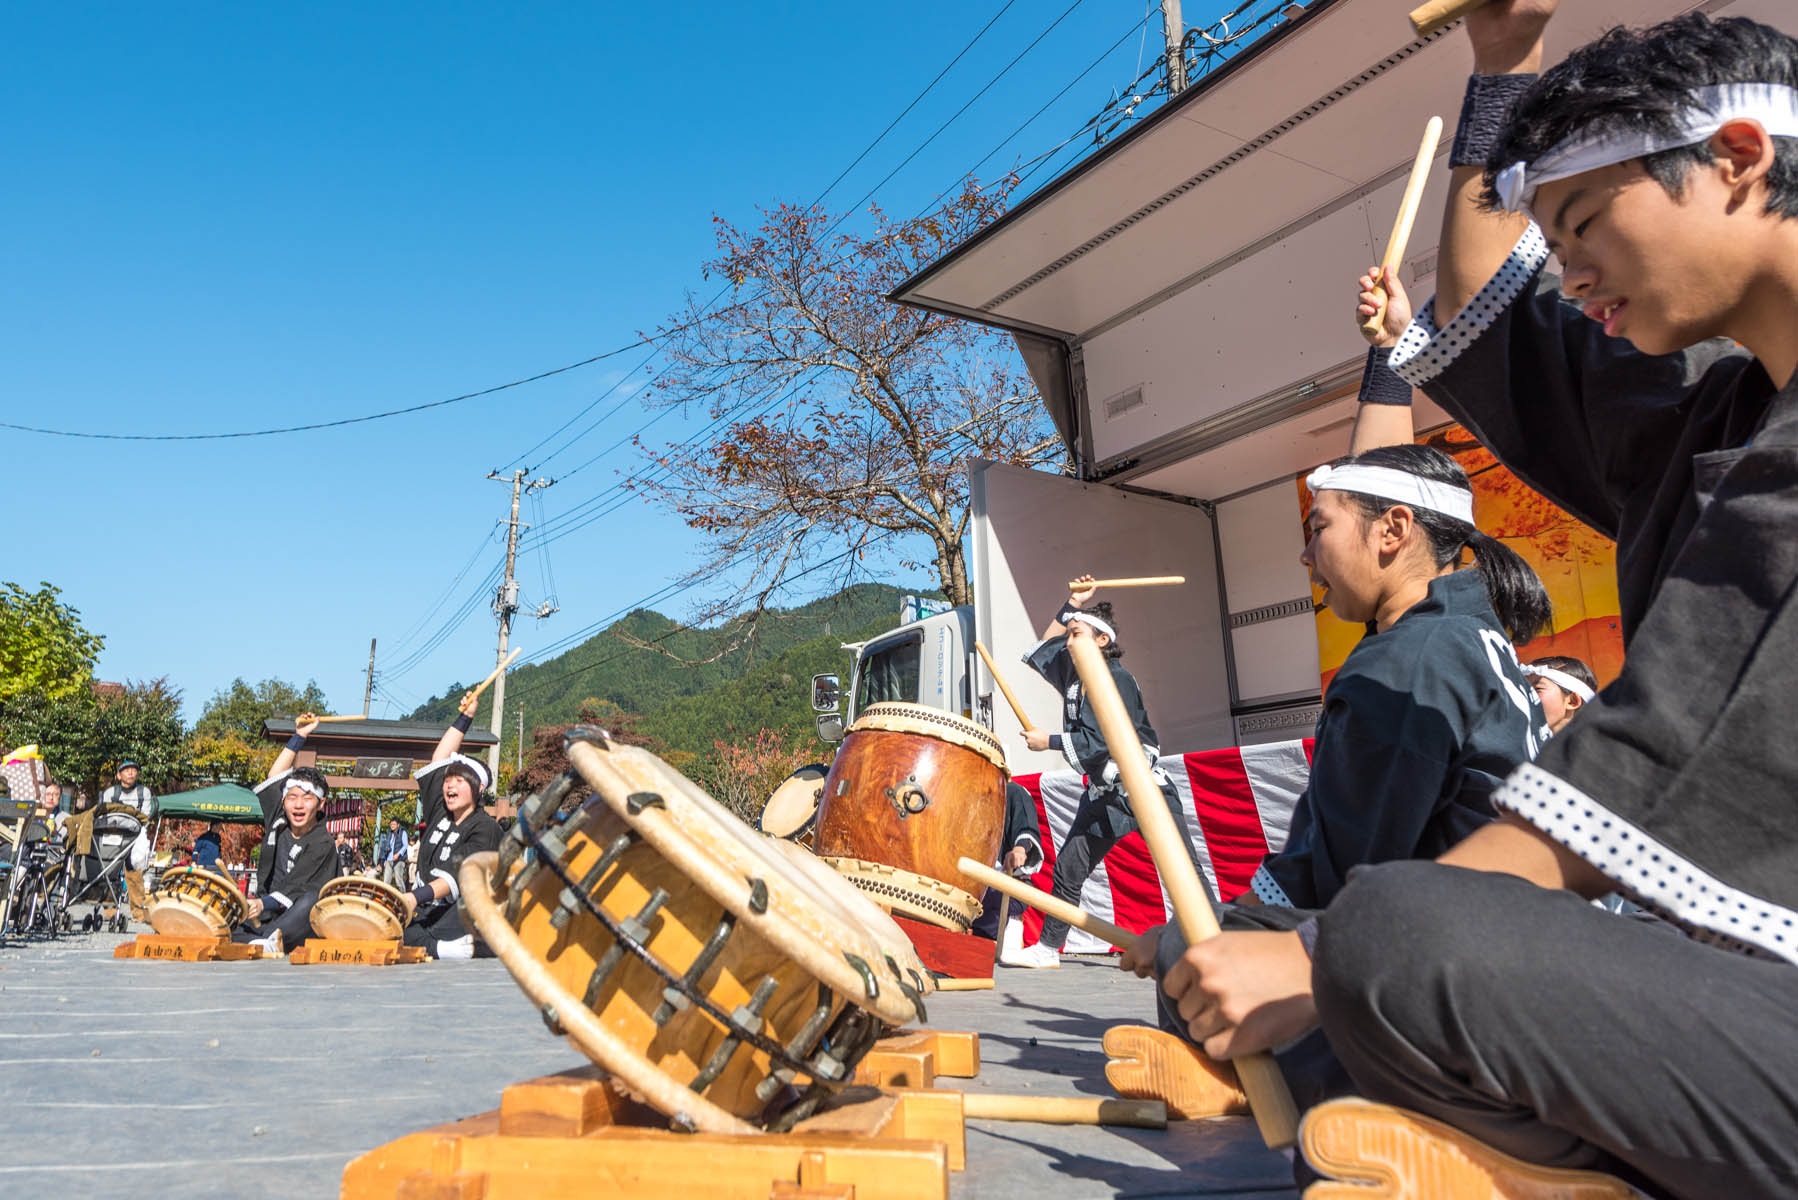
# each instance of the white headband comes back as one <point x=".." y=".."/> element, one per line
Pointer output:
<point x="1096" y="624"/>
<point x="1708" y="109"/>
<point x="305" y="785"/>
<point x="1562" y="680"/>
<point x="1401" y="487"/>
<point x="477" y="766"/>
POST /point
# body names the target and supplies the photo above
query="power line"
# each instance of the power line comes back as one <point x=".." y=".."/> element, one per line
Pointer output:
<point x="380" y="416"/>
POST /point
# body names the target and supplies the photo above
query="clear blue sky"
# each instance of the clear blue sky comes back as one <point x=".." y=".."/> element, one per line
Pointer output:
<point x="224" y="217"/>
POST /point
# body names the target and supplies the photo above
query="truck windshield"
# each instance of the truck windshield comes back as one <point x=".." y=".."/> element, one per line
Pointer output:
<point x="890" y="672"/>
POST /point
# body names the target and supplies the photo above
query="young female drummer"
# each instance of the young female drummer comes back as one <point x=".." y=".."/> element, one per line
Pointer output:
<point x="1430" y="711"/>
<point x="449" y="792"/>
<point x="1103" y="817"/>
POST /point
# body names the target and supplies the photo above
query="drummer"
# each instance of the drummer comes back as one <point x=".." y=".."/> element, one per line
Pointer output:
<point x="297" y="856"/>
<point x="449" y="793"/>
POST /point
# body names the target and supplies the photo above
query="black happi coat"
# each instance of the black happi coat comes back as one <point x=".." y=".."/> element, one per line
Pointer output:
<point x="1082" y="743"/>
<point x="1682" y="786"/>
<point x="1022" y="827"/>
<point x="1419" y="727"/>
<point x="289" y="867"/>
<point x="445" y="843"/>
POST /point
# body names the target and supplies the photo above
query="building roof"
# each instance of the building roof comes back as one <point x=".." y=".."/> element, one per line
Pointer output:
<point x="423" y="734"/>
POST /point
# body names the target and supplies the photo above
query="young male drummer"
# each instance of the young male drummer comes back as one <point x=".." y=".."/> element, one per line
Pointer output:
<point x="455" y="826"/>
<point x="1481" y="990"/>
<point x="1103" y="817"/>
<point x="297" y="855"/>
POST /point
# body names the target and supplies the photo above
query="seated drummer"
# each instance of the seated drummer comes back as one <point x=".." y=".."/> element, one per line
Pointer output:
<point x="297" y="855"/>
<point x="449" y="794"/>
<point x="1020" y="855"/>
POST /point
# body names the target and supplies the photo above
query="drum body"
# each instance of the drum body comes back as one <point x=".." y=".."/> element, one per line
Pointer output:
<point x="354" y="908"/>
<point x="912" y="790"/>
<point x="792" y="811"/>
<point x="190" y="902"/>
<point x="729" y="979"/>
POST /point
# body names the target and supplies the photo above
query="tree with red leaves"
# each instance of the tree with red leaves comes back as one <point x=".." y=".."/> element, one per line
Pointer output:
<point x="849" y="417"/>
<point x="546" y="757"/>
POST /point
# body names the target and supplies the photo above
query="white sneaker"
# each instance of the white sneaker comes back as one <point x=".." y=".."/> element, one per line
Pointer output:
<point x="462" y="947"/>
<point x="1038" y="956"/>
<point x="271" y="943"/>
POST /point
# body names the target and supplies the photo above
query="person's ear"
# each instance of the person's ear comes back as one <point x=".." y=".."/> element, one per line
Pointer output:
<point x="1744" y="154"/>
<point x="1571" y="703"/>
<point x="1396" y="524"/>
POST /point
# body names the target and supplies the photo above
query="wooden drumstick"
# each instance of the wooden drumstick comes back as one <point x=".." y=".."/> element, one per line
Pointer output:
<point x="350" y="717"/>
<point x="1065" y="1110"/>
<point x="1269" y="1098"/>
<point x="497" y="672"/>
<point x="1407" y="216"/>
<point x="952" y="984"/>
<point x="1427" y="18"/>
<point x="1075" y="585"/>
<point x="1005" y="689"/>
<point x="1043" y="902"/>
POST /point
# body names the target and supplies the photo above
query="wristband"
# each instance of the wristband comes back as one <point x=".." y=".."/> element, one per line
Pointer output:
<point x="1068" y="610"/>
<point x="1379" y="383"/>
<point x="423" y="894"/>
<point x="463" y="721"/>
<point x="1055" y="742"/>
<point x="1485" y="110"/>
<point x="296" y="741"/>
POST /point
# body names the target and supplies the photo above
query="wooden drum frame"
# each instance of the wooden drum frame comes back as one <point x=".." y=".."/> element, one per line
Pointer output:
<point x="355" y="908"/>
<point x="912" y="790"/>
<point x="729" y="979"/>
<point x="192" y="902"/>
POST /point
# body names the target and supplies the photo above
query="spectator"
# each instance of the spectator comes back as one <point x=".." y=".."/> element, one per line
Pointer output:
<point x="126" y="789"/>
<point x="207" y="848"/>
<point x="390" y="853"/>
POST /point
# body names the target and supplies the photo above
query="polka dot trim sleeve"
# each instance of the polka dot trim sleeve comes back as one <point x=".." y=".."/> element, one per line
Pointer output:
<point x="1649" y="872"/>
<point x="1268" y="890"/>
<point x="1424" y="352"/>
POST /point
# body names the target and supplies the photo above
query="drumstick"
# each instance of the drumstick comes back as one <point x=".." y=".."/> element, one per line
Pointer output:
<point x="1043" y="902"/>
<point x="1005" y="688"/>
<point x="1407" y="215"/>
<point x="350" y="717"/>
<point x="1268" y="1097"/>
<point x="951" y="984"/>
<point x="1427" y="18"/>
<point x="1066" y="1110"/>
<point x="1075" y="585"/>
<point x="497" y="672"/>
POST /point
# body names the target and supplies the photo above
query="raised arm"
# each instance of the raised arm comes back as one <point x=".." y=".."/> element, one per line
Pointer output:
<point x="303" y="726"/>
<point x="451" y="741"/>
<point x="1507" y="40"/>
<point x="1383" y="417"/>
<point x="1078" y="598"/>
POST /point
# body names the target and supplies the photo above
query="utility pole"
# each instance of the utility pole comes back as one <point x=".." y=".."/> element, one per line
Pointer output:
<point x="368" y="689"/>
<point x="1176" y="57"/>
<point x="505" y="601"/>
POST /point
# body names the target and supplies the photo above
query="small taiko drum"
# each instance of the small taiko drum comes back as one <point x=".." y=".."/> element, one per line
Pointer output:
<point x="191" y="902"/>
<point x="792" y="811"/>
<point x="730" y="980"/>
<point x="354" y="908"/>
<point x="912" y="790"/>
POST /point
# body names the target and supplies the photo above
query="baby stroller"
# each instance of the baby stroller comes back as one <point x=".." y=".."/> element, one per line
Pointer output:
<point x="116" y="829"/>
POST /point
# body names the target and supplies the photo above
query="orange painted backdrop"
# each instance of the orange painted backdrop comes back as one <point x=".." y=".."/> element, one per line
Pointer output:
<point x="1577" y="565"/>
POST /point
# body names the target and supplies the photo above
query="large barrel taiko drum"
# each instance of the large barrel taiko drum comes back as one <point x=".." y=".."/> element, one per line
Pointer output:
<point x="912" y="790"/>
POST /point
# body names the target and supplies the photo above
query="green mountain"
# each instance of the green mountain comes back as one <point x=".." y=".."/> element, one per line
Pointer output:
<point x="764" y="684"/>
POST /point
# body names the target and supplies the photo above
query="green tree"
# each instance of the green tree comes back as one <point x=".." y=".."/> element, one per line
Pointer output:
<point x="242" y="708"/>
<point x="84" y="737"/>
<point x="44" y="649"/>
<point x="228" y="757"/>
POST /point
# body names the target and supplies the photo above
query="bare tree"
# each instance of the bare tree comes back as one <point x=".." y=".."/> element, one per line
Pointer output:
<point x="847" y="418"/>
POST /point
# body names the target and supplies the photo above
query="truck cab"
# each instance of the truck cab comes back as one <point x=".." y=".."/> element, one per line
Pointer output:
<point x="924" y="661"/>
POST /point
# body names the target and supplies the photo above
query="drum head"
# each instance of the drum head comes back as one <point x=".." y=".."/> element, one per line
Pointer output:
<point x="191" y="902"/>
<point x="932" y="722"/>
<point x="837" y="935"/>
<point x="354" y="908"/>
<point x="793" y="807"/>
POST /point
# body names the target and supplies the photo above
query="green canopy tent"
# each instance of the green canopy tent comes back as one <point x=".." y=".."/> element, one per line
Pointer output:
<point x="227" y="802"/>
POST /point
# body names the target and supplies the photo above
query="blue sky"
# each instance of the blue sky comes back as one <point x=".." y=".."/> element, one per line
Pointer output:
<point x="226" y="217"/>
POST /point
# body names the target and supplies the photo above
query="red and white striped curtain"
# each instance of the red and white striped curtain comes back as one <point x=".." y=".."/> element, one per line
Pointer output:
<point x="343" y="816"/>
<point x="1238" y="805"/>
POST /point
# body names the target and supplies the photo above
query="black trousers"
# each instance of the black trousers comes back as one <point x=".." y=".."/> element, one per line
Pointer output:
<point x="295" y="925"/>
<point x="439" y="923"/>
<point x="1102" y="820"/>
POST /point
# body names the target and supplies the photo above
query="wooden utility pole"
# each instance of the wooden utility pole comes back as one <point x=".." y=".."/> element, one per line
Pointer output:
<point x="505" y="600"/>
<point x="1175" y="30"/>
<point x="368" y="689"/>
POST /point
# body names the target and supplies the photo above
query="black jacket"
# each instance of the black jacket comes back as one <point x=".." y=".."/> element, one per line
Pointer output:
<point x="290" y="867"/>
<point x="1419" y="726"/>
<point x="445" y="843"/>
<point x="1679" y="786"/>
<point x="1082" y="742"/>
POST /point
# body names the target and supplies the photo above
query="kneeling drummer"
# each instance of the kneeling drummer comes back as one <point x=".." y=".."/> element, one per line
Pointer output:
<point x="455" y="826"/>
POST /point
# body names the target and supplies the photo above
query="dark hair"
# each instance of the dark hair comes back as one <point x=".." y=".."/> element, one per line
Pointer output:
<point x="1568" y="666"/>
<point x="469" y="773"/>
<point x="1516" y="593"/>
<point x="312" y="775"/>
<point x="1102" y="610"/>
<point x="1637" y="79"/>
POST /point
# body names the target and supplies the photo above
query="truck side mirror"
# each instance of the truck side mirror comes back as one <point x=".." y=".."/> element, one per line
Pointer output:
<point x="827" y="693"/>
<point x="830" y="727"/>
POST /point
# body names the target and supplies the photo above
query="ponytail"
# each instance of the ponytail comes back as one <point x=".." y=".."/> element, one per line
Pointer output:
<point x="1514" y="589"/>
